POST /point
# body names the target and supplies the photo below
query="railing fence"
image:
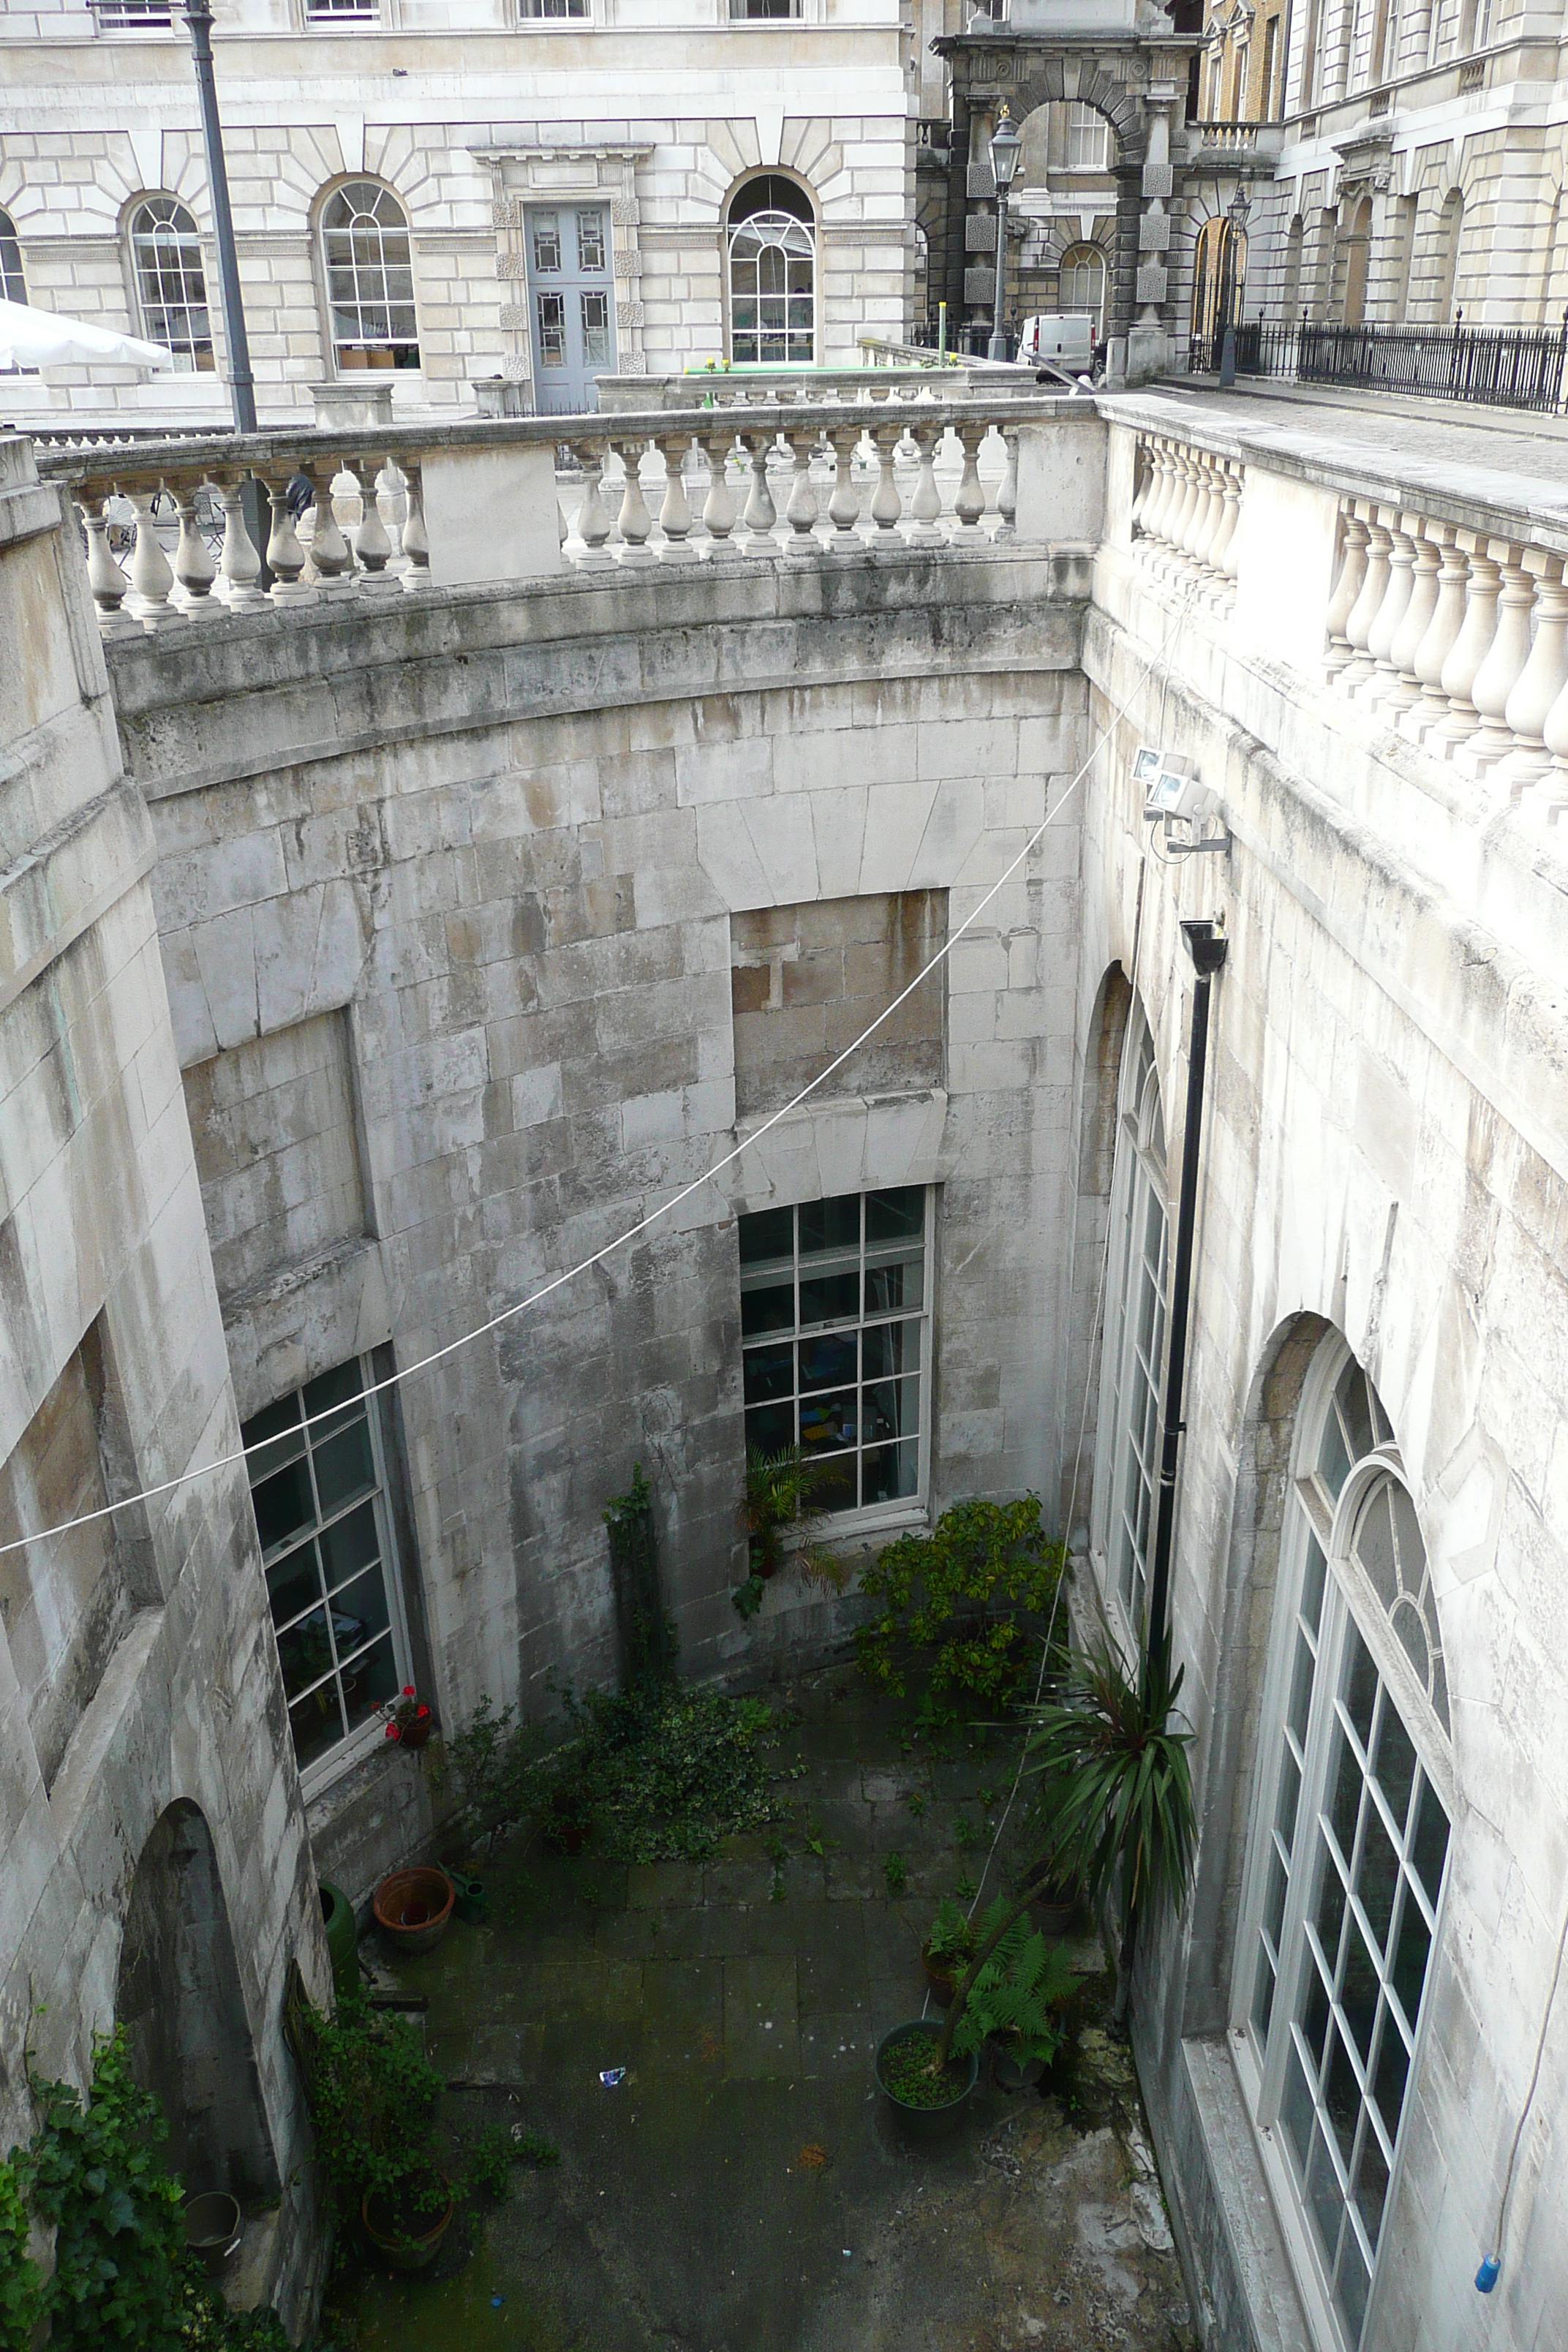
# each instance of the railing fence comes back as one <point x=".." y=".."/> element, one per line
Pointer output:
<point x="1505" y="367"/>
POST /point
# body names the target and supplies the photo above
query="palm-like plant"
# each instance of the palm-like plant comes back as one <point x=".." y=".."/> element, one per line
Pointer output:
<point x="780" y="1490"/>
<point x="1113" y="1795"/>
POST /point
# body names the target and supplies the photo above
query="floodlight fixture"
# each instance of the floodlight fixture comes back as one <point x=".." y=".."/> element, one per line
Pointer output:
<point x="1175" y="794"/>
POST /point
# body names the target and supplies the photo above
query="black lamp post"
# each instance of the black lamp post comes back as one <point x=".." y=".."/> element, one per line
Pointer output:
<point x="1006" y="146"/>
<point x="199" y="17"/>
<point x="1229" y="289"/>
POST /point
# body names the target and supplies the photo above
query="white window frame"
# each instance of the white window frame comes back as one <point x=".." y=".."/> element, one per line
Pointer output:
<point x="771" y="232"/>
<point x="166" y="246"/>
<point x="1086" y="126"/>
<point x="1315" y="1521"/>
<point x="902" y="1510"/>
<point x="1067" y="302"/>
<point x="362" y="301"/>
<point x="1139" y="1183"/>
<point x="329" y="1767"/>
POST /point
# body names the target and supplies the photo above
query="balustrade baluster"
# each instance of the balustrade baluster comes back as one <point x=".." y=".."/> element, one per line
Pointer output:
<point x="285" y="556"/>
<point x="1420" y="605"/>
<point x="1157" y="504"/>
<point x="194" y="570"/>
<point x="1384" y="675"/>
<point x="1542" y="681"/>
<point x="239" y="563"/>
<point x="969" y="504"/>
<point x="675" y="514"/>
<point x="1373" y="588"/>
<point x="371" y="546"/>
<point x="801" y="513"/>
<point x="105" y="582"/>
<point x="844" y="506"/>
<point x="151" y="578"/>
<point x="593" y="516"/>
<point x="1206" y="512"/>
<point x="1221" y="555"/>
<point x="1347" y="588"/>
<point x="1504" y="664"/>
<point x="1007" y="487"/>
<point x="1432" y="704"/>
<point x="1552" y="786"/>
<point x="1143" y="493"/>
<point x="332" y="557"/>
<point x="1472" y="646"/>
<point x="761" y="515"/>
<point x="635" y="522"/>
<point x="886" y="505"/>
<point x="719" y="507"/>
<point x="1178" y="530"/>
<point x="925" y="505"/>
<point x="416" y="539"/>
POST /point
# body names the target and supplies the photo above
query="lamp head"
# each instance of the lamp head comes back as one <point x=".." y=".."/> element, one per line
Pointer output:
<point x="1006" y="146"/>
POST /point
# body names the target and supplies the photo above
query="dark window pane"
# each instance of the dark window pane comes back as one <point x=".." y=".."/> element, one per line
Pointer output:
<point x="349" y="1544"/>
<point x="768" y="1373"/>
<point x="891" y="1409"/>
<point x="1290" y="1790"/>
<point x="770" y="1427"/>
<point x="275" y="1420"/>
<point x="1314" y="2011"/>
<point x="890" y="1348"/>
<point x="830" y="1224"/>
<point x="333" y="1388"/>
<point x="317" y="1724"/>
<point x="1333" y="1461"/>
<point x="1324" y="2194"/>
<point x="305" y="1653"/>
<point x="1371" y="2184"/>
<point x="1350" y="2287"/>
<point x="1431" y="1840"/>
<point x="837" y="1492"/>
<point x="1358" y="1991"/>
<point x="1346" y="1798"/>
<point x="769" y="1234"/>
<point x="899" y="1284"/>
<point x="1297" y="2106"/>
<point x="370" y="1682"/>
<point x="1410" y="1953"/>
<point x="829" y="1297"/>
<point x="1312" y="1582"/>
<point x="283" y="1505"/>
<point x="1331" y="1909"/>
<point x="1274" y="1901"/>
<point x="1396" y="1761"/>
<point x="293" y="1584"/>
<point x="890" y="1217"/>
<point x="1377" y="1878"/>
<point x="359" y="1613"/>
<point x="1263" y="1997"/>
<point x="889" y="1472"/>
<point x="769" y="1309"/>
<point x="1341" y="2097"/>
<point x="828" y="1361"/>
<point x="828" y="1422"/>
<point x="344" y="1468"/>
<point x="1360" y="1687"/>
<point x="1355" y="1409"/>
<point x="1303" y="1672"/>
<point x="1388" y="2084"/>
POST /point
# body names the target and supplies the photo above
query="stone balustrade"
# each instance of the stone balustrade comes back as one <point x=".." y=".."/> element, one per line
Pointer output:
<point x="392" y="511"/>
<point x="1185" y="509"/>
<point x="1458" y="638"/>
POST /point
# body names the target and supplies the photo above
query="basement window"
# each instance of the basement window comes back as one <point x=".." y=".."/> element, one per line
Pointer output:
<point x="327" y="1545"/>
<point x="835" y="1338"/>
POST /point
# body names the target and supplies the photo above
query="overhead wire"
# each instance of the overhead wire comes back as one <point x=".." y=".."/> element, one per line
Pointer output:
<point x="665" y="1208"/>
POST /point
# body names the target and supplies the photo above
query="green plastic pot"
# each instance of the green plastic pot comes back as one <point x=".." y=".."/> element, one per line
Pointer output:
<point x="924" y="2123"/>
<point x="343" y="1938"/>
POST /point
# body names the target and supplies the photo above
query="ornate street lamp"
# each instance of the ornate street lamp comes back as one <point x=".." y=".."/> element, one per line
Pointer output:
<point x="1006" y="146"/>
<point x="242" y="388"/>
<point x="1229" y="288"/>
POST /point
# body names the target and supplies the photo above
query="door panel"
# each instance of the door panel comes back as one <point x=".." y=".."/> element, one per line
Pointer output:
<point x="571" y="292"/>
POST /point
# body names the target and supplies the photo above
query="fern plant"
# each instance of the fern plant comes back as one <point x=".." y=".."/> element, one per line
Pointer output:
<point x="1017" y="1990"/>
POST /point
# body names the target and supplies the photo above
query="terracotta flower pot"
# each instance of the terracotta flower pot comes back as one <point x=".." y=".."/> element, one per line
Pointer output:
<point x="400" y="2225"/>
<point x="414" y="1734"/>
<point x="414" y="1908"/>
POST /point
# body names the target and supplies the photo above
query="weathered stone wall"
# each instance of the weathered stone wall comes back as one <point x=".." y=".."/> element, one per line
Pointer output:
<point x="518" y="890"/>
<point x="136" y="1670"/>
<point x="806" y="982"/>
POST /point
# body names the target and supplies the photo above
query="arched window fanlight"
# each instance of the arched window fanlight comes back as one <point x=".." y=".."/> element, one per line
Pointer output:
<point x="171" y="281"/>
<point x="12" y="285"/>
<point x="369" y="277"/>
<point x="1081" y="285"/>
<point x="772" y="253"/>
<point x="1350" y="1839"/>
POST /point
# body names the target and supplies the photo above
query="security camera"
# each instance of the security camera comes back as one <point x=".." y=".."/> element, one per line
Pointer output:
<point x="1174" y="793"/>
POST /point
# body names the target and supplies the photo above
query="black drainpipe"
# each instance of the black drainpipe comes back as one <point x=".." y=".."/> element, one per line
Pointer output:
<point x="1207" y="944"/>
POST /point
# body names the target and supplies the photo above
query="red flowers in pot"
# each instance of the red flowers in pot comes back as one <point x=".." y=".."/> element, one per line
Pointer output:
<point x="408" y="1719"/>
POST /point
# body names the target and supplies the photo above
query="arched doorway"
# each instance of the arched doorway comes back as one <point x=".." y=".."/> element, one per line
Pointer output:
<point x="1356" y="256"/>
<point x="1219" y="276"/>
<point x="769" y="235"/>
<point x="178" y="1995"/>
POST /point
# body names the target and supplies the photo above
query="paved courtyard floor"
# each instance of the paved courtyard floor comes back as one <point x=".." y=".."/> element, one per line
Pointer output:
<point x="742" y="2188"/>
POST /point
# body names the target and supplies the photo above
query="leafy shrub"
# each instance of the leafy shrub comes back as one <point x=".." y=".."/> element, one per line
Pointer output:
<point x="950" y="1603"/>
<point x="490" y="2167"/>
<point x="665" y="1776"/>
<point x="951" y="1936"/>
<point x="94" y="2173"/>
<point x="372" y="2095"/>
<point x="1018" y="1991"/>
<point x="499" y="1768"/>
<point x="18" y="2275"/>
<point x="533" y="2148"/>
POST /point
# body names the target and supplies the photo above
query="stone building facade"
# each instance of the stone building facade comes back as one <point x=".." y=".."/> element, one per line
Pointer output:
<point x="499" y="909"/>
<point x="493" y="192"/>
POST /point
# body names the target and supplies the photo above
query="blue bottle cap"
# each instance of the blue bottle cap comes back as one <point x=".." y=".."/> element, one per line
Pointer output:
<point x="1487" y="2276"/>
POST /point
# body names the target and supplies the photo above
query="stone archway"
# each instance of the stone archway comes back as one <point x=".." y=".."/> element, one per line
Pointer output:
<point x="178" y="1995"/>
<point x="1138" y="84"/>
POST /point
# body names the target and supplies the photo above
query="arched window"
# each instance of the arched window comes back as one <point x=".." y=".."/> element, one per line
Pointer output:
<point x="12" y="285"/>
<point x="1219" y="276"/>
<point x="1134" y="1343"/>
<point x="772" y="249"/>
<point x="1351" y="1834"/>
<point x="171" y="282"/>
<point x="369" y="277"/>
<point x="1355" y="256"/>
<point x="1451" y="229"/>
<point x="1080" y="291"/>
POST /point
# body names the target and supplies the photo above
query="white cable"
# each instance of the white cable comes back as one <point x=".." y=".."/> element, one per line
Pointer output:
<point x="522" y="1306"/>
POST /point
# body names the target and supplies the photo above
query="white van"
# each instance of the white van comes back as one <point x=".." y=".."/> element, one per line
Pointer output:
<point x="1066" y="342"/>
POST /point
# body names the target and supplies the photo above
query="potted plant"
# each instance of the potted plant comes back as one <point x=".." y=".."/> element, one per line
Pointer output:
<point x="1014" y="1998"/>
<point x="1113" y="1799"/>
<point x="927" y="2095"/>
<point x="780" y="1490"/>
<point x="947" y="1948"/>
<point x="372" y="2095"/>
<point x="413" y="1907"/>
<point x="408" y="1719"/>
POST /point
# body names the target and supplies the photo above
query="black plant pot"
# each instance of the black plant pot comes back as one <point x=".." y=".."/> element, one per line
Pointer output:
<point x="919" y="2123"/>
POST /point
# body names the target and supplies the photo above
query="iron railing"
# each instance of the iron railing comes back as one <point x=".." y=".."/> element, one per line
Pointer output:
<point x="1504" y="367"/>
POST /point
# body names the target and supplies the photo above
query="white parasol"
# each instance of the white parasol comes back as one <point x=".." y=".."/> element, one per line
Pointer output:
<point x="41" y="339"/>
